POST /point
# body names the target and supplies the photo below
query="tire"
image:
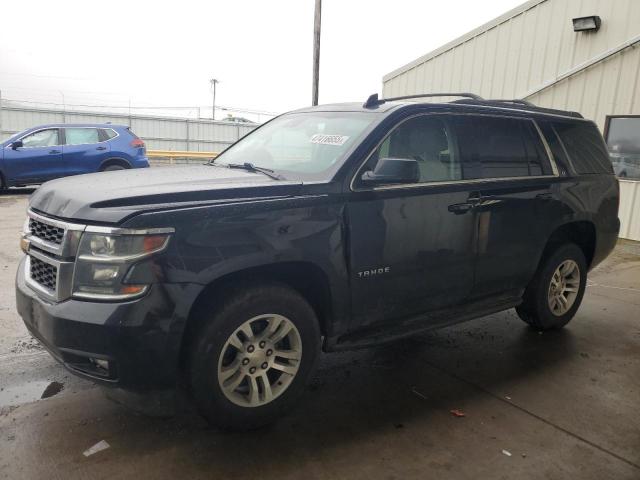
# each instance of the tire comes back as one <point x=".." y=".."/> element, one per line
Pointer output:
<point x="213" y="356"/>
<point x="113" y="168"/>
<point x="536" y="308"/>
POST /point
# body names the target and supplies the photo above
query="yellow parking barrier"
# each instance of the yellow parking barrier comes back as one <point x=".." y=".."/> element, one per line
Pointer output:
<point x="180" y="154"/>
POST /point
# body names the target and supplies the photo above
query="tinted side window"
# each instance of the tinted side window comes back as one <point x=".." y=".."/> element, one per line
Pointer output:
<point x="585" y="147"/>
<point x="427" y="139"/>
<point x="81" y="136"/>
<point x="536" y="153"/>
<point x="508" y="147"/>
<point x="556" y="147"/>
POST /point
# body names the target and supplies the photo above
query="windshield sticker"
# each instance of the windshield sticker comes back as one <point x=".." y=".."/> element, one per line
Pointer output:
<point x="321" y="139"/>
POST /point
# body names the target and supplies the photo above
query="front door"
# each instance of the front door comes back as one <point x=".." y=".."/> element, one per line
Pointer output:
<point x="37" y="160"/>
<point x="412" y="245"/>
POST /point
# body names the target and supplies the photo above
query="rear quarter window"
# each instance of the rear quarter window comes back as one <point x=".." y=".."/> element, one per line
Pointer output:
<point x="559" y="154"/>
<point x="585" y="147"/>
<point x="108" y="133"/>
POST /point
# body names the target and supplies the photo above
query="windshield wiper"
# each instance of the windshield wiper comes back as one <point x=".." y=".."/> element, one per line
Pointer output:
<point x="250" y="167"/>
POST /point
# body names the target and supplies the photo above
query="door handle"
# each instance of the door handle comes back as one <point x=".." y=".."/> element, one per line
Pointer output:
<point x="544" y="196"/>
<point x="461" y="208"/>
<point x="101" y="148"/>
<point x="54" y="151"/>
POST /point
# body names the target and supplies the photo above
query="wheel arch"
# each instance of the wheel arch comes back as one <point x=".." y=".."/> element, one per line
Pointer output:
<point x="114" y="161"/>
<point x="582" y="233"/>
<point x="305" y="277"/>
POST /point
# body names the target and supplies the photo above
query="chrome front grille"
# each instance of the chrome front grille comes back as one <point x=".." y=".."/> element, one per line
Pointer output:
<point x="44" y="274"/>
<point x="46" y="232"/>
<point x="53" y="244"/>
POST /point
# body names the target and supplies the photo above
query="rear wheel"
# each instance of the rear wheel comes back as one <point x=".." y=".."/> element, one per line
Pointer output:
<point x="252" y="359"/>
<point x="555" y="293"/>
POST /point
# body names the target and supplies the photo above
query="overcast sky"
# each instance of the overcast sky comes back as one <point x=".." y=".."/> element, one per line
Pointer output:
<point x="163" y="53"/>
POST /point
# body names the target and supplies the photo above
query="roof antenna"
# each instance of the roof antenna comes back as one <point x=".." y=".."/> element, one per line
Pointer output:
<point x="372" y="101"/>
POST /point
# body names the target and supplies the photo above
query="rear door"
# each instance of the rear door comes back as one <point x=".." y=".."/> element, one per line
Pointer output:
<point x="409" y="252"/>
<point x="516" y="208"/>
<point x="37" y="160"/>
<point x="85" y="148"/>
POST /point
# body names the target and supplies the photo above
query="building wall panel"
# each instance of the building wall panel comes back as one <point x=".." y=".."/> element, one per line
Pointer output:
<point x="532" y="46"/>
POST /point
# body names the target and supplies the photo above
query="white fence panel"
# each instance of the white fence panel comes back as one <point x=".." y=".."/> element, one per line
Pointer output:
<point x="159" y="133"/>
<point x="630" y="209"/>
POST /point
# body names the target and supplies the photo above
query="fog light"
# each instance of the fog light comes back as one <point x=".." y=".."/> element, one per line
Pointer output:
<point x="103" y="364"/>
<point x="100" y="364"/>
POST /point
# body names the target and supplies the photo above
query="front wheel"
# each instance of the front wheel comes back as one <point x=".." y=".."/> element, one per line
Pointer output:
<point x="252" y="359"/>
<point x="555" y="293"/>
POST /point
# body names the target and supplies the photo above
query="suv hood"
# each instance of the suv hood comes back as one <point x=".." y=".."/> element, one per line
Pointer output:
<point x="110" y="197"/>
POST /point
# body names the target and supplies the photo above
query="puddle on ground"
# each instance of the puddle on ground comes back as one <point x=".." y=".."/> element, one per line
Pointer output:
<point x="52" y="389"/>
<point x="29" y="392"/>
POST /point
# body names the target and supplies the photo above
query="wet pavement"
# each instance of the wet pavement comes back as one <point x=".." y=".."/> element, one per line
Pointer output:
<point x="553" y="405"/>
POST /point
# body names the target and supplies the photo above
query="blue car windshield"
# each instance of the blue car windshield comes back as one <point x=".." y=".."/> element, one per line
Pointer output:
<point x="310" y="145"/>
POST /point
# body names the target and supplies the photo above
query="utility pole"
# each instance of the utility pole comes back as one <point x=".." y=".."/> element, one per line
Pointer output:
<point x="213" y="83"/>
<point x="316" y="52"/>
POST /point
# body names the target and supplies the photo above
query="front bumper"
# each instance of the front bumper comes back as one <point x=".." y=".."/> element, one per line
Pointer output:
<point x="140" y="339"/>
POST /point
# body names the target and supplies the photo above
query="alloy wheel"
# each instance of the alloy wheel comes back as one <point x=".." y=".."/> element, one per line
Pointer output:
<point x="259" y="360"/>
<point x="564" y="287"/>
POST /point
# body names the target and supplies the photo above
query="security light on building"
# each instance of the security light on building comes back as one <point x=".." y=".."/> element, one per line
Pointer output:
<point x="587" y="24"/>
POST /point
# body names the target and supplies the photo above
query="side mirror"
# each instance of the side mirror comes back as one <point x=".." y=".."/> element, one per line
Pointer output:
<point x="17" y="144"/>
<point x="393" y="170"/>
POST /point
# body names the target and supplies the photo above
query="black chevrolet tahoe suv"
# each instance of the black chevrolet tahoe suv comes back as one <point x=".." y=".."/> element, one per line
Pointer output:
<point x="327" y="228"/>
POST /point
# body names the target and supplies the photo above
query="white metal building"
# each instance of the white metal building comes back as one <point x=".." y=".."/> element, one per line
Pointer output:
<point x="533" y="52"/>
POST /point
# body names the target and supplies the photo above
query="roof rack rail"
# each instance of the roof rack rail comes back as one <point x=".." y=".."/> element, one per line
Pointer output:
<point x="525" y="105"/>
<point x="374" y="101"/>
<point x="515" y="100"/>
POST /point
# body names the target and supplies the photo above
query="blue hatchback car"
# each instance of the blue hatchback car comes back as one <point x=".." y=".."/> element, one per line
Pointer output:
<point x="46" y="152"/>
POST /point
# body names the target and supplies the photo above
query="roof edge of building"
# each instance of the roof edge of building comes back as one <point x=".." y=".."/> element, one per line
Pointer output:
<point x="464" y="38"/>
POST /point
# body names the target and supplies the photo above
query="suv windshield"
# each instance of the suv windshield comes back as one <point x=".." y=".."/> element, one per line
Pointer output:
<point x="307" y="145"/>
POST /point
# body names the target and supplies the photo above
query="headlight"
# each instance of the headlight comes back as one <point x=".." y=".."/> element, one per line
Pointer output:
<point x="104" y="260"/>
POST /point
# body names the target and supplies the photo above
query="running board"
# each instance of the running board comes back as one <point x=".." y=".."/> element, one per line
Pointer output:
<point x="396" y="330"/>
